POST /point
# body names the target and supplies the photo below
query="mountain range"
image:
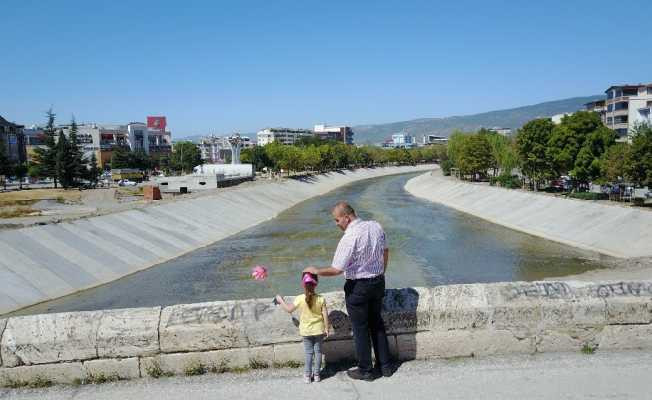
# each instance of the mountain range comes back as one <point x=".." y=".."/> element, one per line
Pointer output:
<point x="512" y="118"/>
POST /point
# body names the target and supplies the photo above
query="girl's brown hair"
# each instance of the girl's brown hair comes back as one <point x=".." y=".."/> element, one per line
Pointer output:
<point x="309" y="290"/>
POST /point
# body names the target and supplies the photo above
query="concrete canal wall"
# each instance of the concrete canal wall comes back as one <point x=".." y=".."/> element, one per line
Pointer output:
<point x="45" y="262"/>
<point x="437" y="322"/>
<point x="608" y="229"/>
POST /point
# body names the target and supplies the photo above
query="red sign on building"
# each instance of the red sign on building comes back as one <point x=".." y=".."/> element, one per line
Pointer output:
<point x="156" y="123"/>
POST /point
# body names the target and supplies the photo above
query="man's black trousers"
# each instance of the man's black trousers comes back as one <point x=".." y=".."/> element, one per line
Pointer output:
<point x="364" y="302"/>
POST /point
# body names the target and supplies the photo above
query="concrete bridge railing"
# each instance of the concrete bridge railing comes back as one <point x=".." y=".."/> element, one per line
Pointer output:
<point x="439" y="322"/>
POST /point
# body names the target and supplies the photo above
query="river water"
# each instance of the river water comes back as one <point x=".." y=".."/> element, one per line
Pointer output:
<point x="429" y="245"/>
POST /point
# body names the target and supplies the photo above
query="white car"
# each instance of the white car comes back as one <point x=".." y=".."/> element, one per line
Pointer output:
<point x="127" y="182"/>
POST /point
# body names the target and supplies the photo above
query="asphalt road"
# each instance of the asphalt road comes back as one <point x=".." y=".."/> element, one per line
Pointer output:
<point x="606" y="375"/>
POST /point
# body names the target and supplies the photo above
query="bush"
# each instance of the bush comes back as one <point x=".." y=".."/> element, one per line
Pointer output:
<point x="446" y="166"/>
<point x="506" y="181"/>
<point x="588" y="196"/>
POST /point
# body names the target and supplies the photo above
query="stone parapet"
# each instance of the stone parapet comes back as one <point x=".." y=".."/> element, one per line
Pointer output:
<point x="443" y="321"/>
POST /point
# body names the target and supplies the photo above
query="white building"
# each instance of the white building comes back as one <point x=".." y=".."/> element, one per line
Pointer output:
<point x="340" y="133"/>
<point x="628" y="106"/>
<point x="501" y="131"/>
<point x="403" y="140"/>
<point x="282" y="135"/>
<point x="556" y="119"/>
<point x="434" y="139"/>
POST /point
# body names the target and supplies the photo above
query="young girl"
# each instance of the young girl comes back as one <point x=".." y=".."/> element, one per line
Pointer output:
<point x="313" y="323"/>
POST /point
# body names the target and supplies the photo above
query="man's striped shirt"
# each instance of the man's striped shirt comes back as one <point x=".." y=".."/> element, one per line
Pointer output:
<point x="360" y="251"/>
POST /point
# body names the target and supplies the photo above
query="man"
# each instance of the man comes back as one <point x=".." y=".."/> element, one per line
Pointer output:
<point x="362" y="256"/>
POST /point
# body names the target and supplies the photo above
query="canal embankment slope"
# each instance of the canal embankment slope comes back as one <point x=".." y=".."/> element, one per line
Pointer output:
<point x="622" y="232"/>
<point x="40" y="263"/>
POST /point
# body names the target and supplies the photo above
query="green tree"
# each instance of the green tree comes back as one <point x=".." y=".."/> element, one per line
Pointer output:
<point x="120" y="158"/>
<point x="20" y="171"/>
<point x="63" y="161"/>
<point x="531" y="146"/>
<point x="638" y="165"/>
<point x="503" y="153"/>
<point x="589" y="159"/>
<point x="93" y="173"/>
<point x="77" y="166"/>
<point x="475" y="156"/>
<point x="6" y="166"/>
<point x="613" y="163"/>
<point x="568" y="138"/>
<point x="256" y="156"/>
<point x="140" y="160"/>
<point x="185" y="156"/>
<point x="45" y="157"/>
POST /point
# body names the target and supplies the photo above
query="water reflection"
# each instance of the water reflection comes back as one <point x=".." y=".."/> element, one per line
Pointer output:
<point x="429" y="245"/>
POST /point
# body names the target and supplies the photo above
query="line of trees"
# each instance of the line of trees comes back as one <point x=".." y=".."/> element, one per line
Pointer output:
<point x="580" y="147"/>
<point x="314" y="154"/>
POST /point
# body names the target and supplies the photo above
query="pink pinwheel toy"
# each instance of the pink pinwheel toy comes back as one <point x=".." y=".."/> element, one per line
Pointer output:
<point x="259" y="273"/>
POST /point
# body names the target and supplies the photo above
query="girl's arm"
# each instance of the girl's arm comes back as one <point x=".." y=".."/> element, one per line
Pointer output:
<point x="287" y="307"/>
<point x="324" y="313"/>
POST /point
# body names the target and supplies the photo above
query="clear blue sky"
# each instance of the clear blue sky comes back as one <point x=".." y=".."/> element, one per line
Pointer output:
<point x="219" y="67"/>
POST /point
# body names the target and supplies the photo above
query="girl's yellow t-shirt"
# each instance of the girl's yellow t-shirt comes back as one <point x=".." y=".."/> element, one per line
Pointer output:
<point x="311" y="321"/>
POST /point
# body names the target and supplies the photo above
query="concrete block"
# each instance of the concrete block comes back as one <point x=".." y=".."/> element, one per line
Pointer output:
<point x="459" y="307"/>
<point x="202" y="326"/>
<point x="628" y="310"/>
<point x="3" y="324"/>
<point x="622" y="337"/>
<point x="339" y="350"/>
<point x="67" y="372"/>
<point x="177" y="363"/>
<point x="129" y="332"/>
<point x="226" y="324"/>
<point x="407" y="310"/>
<point x="123" y="368"/>
<point x="49" y="338"/>
<point x="289" y="352"/>
<point x="568" y="340"/>
<point x="461" y="343"/>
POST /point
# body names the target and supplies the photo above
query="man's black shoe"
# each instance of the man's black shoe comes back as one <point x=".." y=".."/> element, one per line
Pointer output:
<point x="387" y="372"/>
<point x="384" y="371"/>
<point x="359" y="375"/>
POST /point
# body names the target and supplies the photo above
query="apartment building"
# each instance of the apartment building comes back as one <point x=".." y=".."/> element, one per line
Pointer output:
<point x="13" y="138"/>
<point x="282" y="135"/>
<point x="338" y="133"/>
<point x="628" y="106"/>
<point x="598" y="106"/>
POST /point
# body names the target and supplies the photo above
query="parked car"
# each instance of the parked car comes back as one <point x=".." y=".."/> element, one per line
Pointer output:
<point x="127" y="182"/>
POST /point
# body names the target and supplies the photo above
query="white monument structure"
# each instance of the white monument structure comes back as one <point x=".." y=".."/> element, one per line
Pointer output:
<point x="236" y="144"/>
<point x="210" y="176"/>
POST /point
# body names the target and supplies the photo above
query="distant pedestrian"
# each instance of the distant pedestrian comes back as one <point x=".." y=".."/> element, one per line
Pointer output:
<point x="362" y="256"/>
<point x="313" y="324"/>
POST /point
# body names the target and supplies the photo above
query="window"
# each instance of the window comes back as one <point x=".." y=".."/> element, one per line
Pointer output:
<point x="610" y="107"/>
<point x="610" y="120"/>
<point x="649" y="90"/>
<point x="623" y="105"/>
<point x="630" y="92"/>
